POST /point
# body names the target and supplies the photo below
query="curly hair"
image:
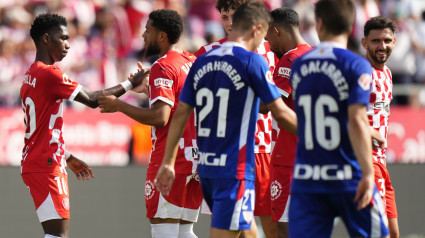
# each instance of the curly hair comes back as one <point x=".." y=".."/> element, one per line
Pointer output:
<point x="44" y="23"/>
<point x="379" y="23"/>
<point x="168" y="21"/>
<point x="226" y="5"/>
<point x="285" y="17"/>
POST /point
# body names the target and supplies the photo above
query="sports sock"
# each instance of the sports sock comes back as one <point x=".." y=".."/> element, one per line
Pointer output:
<point x="165" y="230"/>
<point x="50" y="236"/>
<point x="186" y="231"/>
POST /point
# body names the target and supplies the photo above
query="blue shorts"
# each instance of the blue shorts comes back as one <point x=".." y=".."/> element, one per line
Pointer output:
<point x="231" y="202"/>
<point x="317" y="211"/>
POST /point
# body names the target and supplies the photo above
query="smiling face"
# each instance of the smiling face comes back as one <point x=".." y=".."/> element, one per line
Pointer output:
<point x="379" y="45"/>
<point x="58" y="44"/>
<point x="226" y="19"/>
<point x="150" y="37"/>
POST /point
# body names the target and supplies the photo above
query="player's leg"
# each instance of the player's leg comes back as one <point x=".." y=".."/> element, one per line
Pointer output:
<point x="56" y="227"/>
<point x="311" y="215"/>
<point x="386" y="190"/>
<point x="281" y="177"/>
<point x="251" y="233"/>
<point x="391" y="207"/>
<point x="192" y="203"/>
<point x="371" y="221"/>
<point x="262" y="194"/>
<point x="50" y="194"/>
<point x="165" y="212"/>
<point x="232" y="203"/>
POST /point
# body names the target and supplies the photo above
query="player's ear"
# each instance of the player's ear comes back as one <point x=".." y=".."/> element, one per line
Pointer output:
<point x="364" y="43"/>
<point x="45" y="38"/>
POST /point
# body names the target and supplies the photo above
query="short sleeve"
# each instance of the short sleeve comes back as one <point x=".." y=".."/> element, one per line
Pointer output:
<point x="188" y="92"/>
<point x="262" y="79"/>
<point x="161" y="84"/>
<point x="360" y="82"/>
<point x="60" y="85"/>
<point x="282" y="74"/>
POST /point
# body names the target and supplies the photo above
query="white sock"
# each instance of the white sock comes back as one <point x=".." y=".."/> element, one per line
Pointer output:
<point x="165" y="230"/>
<point x="50" y="236"/>
<point x="186" y="231"/>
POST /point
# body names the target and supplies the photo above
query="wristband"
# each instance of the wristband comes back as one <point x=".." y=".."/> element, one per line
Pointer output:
<point x="127" y="85"/>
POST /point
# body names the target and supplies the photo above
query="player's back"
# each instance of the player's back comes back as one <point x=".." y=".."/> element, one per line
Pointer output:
<point x="326" y="81"/>
<point x="226" y="84"/>
<point x="42" y="92"/>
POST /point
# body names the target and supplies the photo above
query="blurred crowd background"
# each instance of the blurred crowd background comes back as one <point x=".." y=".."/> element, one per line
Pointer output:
<point x="106" y="42"/>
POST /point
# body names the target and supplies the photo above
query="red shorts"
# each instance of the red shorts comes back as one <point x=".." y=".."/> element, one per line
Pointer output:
<point x="50" y="194"/>
<point x="262" y="185"/>
<point x="183" y="202"/>
<point x="281" y="177"/>
<point x="386" y="190"/>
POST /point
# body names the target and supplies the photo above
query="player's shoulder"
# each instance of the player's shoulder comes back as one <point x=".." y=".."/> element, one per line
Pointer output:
<point x="204" y="49"/>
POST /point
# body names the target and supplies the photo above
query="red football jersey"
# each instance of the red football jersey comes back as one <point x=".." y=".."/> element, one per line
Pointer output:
<point x="42" y="92"/>
<point x="166" y="81"/>
<point x="263" y="130"/>
<point x="379" y="107"/>
<point x="285" y="143"/>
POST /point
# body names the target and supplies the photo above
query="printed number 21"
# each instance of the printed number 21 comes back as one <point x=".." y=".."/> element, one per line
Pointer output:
<point x="223" y="94"/>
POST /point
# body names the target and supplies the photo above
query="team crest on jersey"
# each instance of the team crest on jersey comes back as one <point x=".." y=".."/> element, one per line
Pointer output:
<point x="65" y="203"/>
<point x="283" y="71"/>
<point x="161" y="82"/>
<point x="269" y="77"/>
<point x="149" y="190"/>
<point x="364" y="81"/>
<point x="275" y="190"/>
<point x="66" y="79"/>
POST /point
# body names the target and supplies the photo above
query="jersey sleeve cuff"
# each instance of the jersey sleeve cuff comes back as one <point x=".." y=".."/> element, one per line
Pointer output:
<point x="76" y="91"/>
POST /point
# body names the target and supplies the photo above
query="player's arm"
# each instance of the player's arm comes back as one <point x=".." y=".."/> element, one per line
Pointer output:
<point x="157" y="115"/>
<point x="360" y="137"/>
<point x="79" y="167"/>
<point x="284" y="115"/>
<point x="165" y="176"/>
<point x="377" y="139"/>
<point x="90" y="98"/>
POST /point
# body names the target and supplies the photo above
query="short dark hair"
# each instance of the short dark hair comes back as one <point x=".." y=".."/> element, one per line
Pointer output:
<point x="44" y="23"/>
<point x="379" y="23"/>
<point x="168" y="21"/>
<point x="337" y="15"/>
<point x="249" y="14"/>
<point x="226" y="5"/>
<point x="285" y="17"/>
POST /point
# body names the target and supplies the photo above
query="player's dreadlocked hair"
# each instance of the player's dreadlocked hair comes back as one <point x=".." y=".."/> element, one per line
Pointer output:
<point x="379" y="23"/>
<point x="44" y="23"/>
<point x="168" y="21"/>
<point x="226" y="5"/>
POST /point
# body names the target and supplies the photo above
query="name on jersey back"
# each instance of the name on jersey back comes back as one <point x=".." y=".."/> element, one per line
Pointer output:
<point x="219" y="66"/>
<point x="329" y="69"/>
<point x="29" y="80"/>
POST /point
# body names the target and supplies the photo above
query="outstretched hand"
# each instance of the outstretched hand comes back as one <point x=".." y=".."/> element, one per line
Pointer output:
<point x="80" y="168"/>
<point x="140" y="80"/>
<point x="108" y="103"/>
<point x="164" y="179"/>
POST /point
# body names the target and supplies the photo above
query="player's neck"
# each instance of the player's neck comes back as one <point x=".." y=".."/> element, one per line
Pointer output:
<point x="295" y="41"/>
<point x="42" y="57"/>
<point x="172" y="47"/>
<point x="341" y="39"/>
<point x="245" y="41"/>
